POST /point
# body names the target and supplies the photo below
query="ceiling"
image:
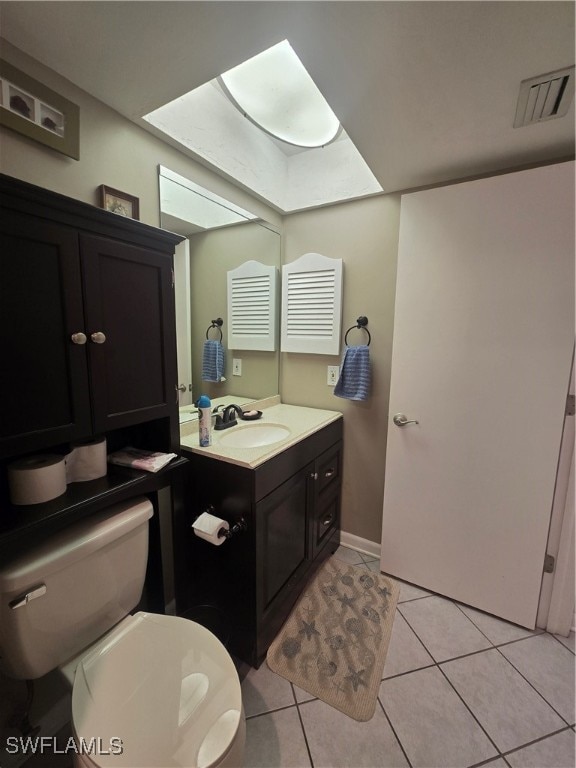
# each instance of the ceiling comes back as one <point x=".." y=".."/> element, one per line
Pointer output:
<point x="427" y="91"/>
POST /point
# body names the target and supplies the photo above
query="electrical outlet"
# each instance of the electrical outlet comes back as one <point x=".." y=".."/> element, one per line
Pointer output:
<point x="333" y="374"/>
<point x="236" y="366"/>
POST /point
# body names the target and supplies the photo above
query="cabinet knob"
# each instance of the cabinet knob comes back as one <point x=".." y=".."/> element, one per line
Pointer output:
<point x="329" y="472"/>
<point x="98" y="337"/>
<point x="78" y="338"/>
<point x="313" y="475"/>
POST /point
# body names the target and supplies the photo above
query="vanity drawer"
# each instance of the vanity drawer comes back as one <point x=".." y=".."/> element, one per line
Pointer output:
<point x="326" y="520"/>
<point x="329" y="468"/>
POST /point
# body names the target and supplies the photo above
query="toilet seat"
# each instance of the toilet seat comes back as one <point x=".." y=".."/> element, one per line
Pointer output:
<point x="161" y="688"/>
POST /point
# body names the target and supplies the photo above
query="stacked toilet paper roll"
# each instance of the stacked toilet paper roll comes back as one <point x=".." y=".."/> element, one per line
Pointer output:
<point x="86" y="461"/>
<point x="208" y="526"/>
<point x="37" y="479"/>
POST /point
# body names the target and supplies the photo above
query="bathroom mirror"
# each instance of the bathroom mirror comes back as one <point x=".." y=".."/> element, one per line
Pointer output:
<point x="220" y="236"/>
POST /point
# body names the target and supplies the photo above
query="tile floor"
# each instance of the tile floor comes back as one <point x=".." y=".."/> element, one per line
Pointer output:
<point x="460" y="688"/>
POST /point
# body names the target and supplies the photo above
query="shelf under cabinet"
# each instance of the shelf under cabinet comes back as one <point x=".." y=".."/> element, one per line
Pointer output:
<point x="21" y="523"/>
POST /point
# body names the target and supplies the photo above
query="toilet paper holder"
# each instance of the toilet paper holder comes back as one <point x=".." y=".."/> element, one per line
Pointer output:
<point x="238" y="527"/>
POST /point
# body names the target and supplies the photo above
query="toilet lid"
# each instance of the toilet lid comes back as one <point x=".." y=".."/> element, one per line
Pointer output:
<point x="157" y="691"/>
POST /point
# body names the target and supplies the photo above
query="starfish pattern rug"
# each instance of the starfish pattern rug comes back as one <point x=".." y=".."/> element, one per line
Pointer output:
<point x="334" y="643"/>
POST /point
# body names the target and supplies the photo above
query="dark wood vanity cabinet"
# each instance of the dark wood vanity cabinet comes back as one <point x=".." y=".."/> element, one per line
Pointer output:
<point x="245" y="589"/>
<point x="87" y="332"/>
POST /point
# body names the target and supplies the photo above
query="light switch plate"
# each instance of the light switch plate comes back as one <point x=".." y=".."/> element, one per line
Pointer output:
<point x="236" y="366"/>
<point x="333" y="374"/>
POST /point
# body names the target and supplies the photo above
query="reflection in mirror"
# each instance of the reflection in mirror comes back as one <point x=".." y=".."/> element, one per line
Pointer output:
<point x="220" y="237"/>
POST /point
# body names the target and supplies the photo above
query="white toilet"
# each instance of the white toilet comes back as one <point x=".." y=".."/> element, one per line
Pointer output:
<point x="148" y="690"/>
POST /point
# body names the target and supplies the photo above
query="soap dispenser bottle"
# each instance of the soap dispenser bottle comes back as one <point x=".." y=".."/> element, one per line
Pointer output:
<point x="204" y="421"/>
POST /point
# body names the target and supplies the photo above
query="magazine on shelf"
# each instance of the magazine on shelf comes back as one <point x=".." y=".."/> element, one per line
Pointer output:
<point x="139" y="459"/>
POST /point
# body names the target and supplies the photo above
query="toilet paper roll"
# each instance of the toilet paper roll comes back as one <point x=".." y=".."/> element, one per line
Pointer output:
<point x="37" y="479"/>
<point x="208" y="526"/>
<point x="87" y="461"/>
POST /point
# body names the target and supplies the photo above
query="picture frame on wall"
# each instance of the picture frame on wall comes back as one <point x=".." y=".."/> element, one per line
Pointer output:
<point x="119" y="202"/>
<point x="37" y="112"/>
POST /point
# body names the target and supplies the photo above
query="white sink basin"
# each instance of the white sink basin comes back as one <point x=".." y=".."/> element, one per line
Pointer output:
<point x="254" y="435"/>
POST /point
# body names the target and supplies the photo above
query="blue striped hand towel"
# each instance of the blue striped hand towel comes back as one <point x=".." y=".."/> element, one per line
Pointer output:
<point x="212" y="360"/>
<point x="355" y="374"/>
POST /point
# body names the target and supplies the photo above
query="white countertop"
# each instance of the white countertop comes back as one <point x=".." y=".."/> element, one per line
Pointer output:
<point x="301" y="422"/>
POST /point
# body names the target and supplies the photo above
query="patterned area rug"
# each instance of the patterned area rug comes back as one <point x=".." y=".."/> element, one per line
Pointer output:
<point x="335" y="641"/>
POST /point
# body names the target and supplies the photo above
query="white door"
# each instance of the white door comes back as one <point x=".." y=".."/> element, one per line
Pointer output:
<point x="483" y="338"/>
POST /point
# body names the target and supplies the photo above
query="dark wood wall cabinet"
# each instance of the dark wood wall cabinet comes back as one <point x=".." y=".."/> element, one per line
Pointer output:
<point x="88" y="344"/>
<point x="244" y="589"/>
<point x="87" y="330"/>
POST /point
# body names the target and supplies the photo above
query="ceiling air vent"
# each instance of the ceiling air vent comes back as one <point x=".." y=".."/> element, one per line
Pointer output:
<point x="544" y="97"/>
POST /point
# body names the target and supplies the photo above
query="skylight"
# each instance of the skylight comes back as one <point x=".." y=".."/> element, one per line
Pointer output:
<point x="313" y="163"/>
<point x="274" y="90"/>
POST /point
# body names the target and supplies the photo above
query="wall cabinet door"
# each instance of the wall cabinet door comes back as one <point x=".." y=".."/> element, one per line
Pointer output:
<point x="43" y="376"/>
<point x="87" y="334"/>
<point x="129" y="310"/>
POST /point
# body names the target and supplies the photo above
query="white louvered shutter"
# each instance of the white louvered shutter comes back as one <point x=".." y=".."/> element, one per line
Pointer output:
<point x="312" y="305"/>
<point x="252" y="307"/>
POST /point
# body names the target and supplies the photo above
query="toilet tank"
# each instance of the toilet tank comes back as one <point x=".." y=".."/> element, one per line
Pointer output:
<point x="61" y="595"/>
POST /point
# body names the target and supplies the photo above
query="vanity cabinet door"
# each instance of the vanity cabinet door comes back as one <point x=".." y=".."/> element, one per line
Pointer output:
<point x="44" y="391"/>
<point x="282" y="549"/>
<point x="129" y="307"/>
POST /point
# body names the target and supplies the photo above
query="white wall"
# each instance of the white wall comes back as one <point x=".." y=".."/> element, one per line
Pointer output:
<point x="364" y="234"/>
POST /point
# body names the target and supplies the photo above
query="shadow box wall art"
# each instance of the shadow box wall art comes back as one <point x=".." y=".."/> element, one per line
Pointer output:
<point x="36" y="111"/>
<point x="119" y="202"/>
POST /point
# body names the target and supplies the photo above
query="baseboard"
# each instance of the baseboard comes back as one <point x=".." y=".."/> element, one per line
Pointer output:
<point x="359" y="544"/>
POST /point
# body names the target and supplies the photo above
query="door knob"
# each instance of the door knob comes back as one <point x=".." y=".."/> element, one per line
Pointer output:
<point x="98" y="337"/>
<point x="401" y="420"/>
